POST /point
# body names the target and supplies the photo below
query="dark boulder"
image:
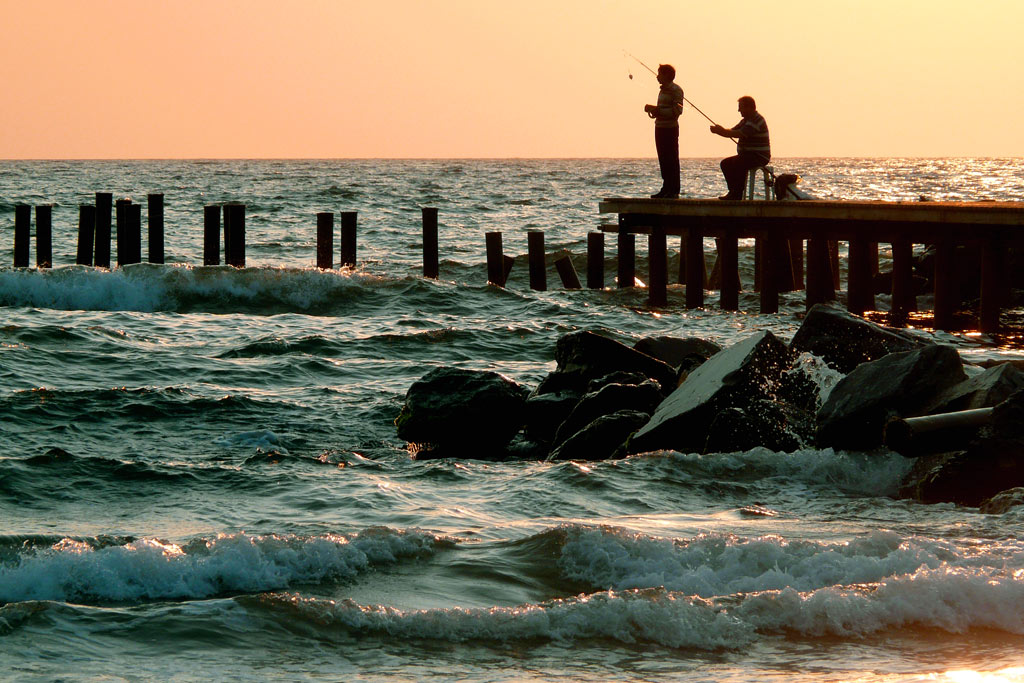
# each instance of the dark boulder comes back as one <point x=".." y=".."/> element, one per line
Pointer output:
<point x="609" y="399"/>
<point x="620" y="377"/>
<point x="1003" y="501"/>
<point x="545" y="412"/>
<point x="897" y="385"/>
<point x="676" y="350"/>
<point x="732" y="378"/>
<point x="588" y="356"/>
<point x="765" y="423"/>
<point x="844" y="341"/>
<point x="462" y="410"/>
<point x="602" y="439"/>
<point x="985" y="389"/>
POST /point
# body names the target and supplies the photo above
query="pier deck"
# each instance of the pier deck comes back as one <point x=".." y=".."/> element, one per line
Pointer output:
<point x="992" y="226"/>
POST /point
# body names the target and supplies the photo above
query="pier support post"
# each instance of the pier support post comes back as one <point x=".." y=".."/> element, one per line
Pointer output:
<point x="325" y="240"/>
<point x="234" y="234"/>
<point x="903" y="299"/>
<point x="567" y="272"/>
<point x="495" y="260"/>
<point x="657" y="263"/>
<point x="44" y="236"/>
<point x="820" y="284"/>
<point x="627" y="259"/>
<point x="729" y="271"/>
<point x="992" y="285"/>
<point x="155" y="217"/>
<point x="538" y="269"/>
<point x="684" y="265"/>
<point x="86" y="230"/>
<point x="595" y="260"/>
<point x="430" y="261"/>
<point x="945" y="290"/>
<point x="104" y="201"/>
<point x="695" y="277"/>
<point x="349" y="220"/>
<point x="860" y="295"/>
<point x="771" y="250"/>
<point x="22" y="234"/>
<point x="211" y="235"/>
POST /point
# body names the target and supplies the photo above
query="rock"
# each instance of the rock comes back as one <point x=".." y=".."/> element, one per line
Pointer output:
<point x="844" y="341"/>
<point x="602" y="438"/>
<point x="462" y="410"/>
<point x="988" y="388"/>
<point x="808" y="382"/>
<point x="765" y="423"/>
<point x="590" y="356"/>
<point x="1003" y="501"/>
<point x="545" y="412"/>
<point x="900" y="384"/>
<point x="609" y="399"/>
<point x="619" y="377"/>
<point x="675" y="350"/>
<point x="732" y="378"/>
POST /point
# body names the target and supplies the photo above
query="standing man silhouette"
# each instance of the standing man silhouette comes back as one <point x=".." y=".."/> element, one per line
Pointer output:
<point x="753" y="147"/>
<point x="666" y="130"/>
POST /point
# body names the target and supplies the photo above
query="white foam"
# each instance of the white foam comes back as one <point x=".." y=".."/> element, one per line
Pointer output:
<point x="150" y="569"/>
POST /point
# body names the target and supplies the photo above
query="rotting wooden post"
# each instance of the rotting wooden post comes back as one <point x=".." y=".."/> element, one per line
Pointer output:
<point x="133" y="232"/>
<point x="430" y="260"/>
<point x="595" y="260"/>
<point x="945" y="290"/>
<point x="495" y="262"/>
<point x="211" y="235"/>
<point x="234" y="234"/>
<point x="657" y="260"/>
<point x="104" y="201"/>
<point x="325" y="240"/>
<point x="992" y="279"/>
<point x="903" y="299"/>
<point x="506" y="266"/>
<point x="349" y="220"/>
<point x="695" y="277"/>
<point x="833" y="255"/>
<point x="119" y="230"/>
<point x="86" y="230"/>
<point x="729" y="271"/>
<point x="535" y="253"/>
<point x="770" y="270"/>
<point x="567" y="272"/>
<point x="155" y="218"/>
<point x="627" y="260"/>
<point x="796" y="258"/>
<point x="44" y="236"/>
<point x="22" y="234"/>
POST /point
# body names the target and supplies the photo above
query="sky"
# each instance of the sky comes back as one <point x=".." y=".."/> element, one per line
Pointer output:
<point x="485" y="79"/>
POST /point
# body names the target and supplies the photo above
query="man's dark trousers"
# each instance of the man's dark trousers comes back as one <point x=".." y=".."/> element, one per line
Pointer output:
<point x="666" y="141"/>
<point x="735" y="171"/>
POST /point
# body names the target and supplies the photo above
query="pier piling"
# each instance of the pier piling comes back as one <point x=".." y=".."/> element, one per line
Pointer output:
<point x="729" y="271"/>
<point x="657" y="263"/>
<point x="120" y="239"/>
<point x="234" y="234"/>
<point x="348" y="238"/>
<point x="538" y="268"/>
<point x="695" y="277"/>
<point x="22" y="234"/>
<point x="211" y="235"/>
<point x="133" y="233"/>
<point x="627" y="260"/>
<point x="495" y="260"/>
<point x="86" y="231"/>
<point x="325" y="240"/>
<point x="595" y="260"/>
<point x="155" y="217"/>
<point x="44" y="236"/>
<point x="104" y="201"/>
<point x="903" y="299"/>
<point x="430" y="262"/>
<point x="567" y="272"/>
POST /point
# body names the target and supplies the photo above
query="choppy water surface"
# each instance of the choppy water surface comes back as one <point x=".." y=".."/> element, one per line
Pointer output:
<point x="200" y="476"/>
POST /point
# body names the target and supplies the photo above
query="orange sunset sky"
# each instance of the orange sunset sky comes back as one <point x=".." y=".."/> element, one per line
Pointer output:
<point x="479" y="78"/>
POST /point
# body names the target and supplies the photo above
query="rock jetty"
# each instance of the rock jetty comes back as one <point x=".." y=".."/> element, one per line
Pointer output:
<point x="837" y="384"/>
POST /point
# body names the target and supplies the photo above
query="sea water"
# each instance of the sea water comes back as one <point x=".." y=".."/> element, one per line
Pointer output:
<point x="200" y="477"/>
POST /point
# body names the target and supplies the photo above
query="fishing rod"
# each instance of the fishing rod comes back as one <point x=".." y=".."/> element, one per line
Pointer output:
<point x="630" y="54"/>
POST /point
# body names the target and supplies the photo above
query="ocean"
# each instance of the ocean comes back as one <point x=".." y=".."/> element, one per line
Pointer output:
<point x="200" y="477"/>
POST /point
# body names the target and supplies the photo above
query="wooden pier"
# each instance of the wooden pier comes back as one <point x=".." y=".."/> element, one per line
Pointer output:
<point x="991" y="226"/>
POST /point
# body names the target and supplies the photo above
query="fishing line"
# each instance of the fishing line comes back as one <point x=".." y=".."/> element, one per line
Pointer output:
<point x="630" y="54"/>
